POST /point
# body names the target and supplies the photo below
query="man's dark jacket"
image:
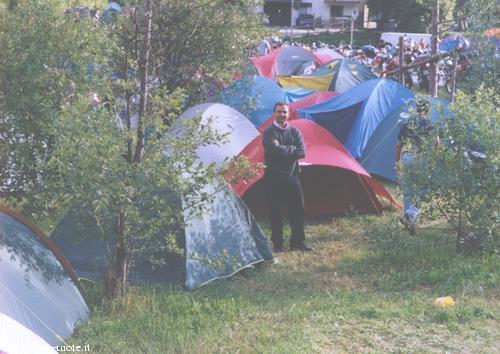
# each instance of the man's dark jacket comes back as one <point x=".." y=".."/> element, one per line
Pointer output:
<point x="282" y="158"/>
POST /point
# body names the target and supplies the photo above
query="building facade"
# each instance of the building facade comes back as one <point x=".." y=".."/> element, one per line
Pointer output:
<point x="284" y="13"/>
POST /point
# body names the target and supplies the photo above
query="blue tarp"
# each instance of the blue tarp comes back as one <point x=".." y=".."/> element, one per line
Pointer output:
<point x="379" y="155"/>
<point x="354" y="115"/>
<point x="253" y="96"/>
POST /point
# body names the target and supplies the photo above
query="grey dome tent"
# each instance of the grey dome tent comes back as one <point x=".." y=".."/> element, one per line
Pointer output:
<point x="38" y="285"/>
<point x="222" y="241"/>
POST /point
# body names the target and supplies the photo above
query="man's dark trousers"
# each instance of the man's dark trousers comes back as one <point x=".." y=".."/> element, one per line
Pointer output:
<point x="285" y="191"/>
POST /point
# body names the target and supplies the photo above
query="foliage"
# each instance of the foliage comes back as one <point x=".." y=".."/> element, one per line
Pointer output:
<point x="412" y="15"/>
<point x="482" y="67"/>
<point x="195" y="45"/>
<point x="97" y="103"/>
<point x="460" y="176"/>
<point x="37" y="76"/>
<point x="476" y="15"/>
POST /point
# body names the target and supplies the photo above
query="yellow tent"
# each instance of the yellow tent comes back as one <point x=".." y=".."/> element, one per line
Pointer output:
<point x="320" y="83"/>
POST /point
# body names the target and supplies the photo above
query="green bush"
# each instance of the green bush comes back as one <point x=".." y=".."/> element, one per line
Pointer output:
<point x="460" y="176"/>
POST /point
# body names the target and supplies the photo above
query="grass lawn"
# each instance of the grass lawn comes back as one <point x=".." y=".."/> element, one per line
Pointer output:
<point x="368" y="288"/>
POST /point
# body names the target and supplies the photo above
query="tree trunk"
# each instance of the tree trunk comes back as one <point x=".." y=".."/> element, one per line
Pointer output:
<point x="116" y="277"/>
<point x="433" y="84"/>
<point x="143" y="70"/>
<point x="401" y="61"/>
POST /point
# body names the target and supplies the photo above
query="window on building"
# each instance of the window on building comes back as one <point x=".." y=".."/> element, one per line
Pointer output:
<point x="336" y="11"/>
<point x="305" y="8"/>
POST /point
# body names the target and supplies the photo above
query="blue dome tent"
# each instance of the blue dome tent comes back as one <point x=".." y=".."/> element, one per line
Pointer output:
<point x="254" y="96"/>
<point x="354" y="116"/>
<point x="379" y="155"/>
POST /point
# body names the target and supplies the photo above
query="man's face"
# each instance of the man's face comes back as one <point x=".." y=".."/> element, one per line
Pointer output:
<point x="281" y="112"/>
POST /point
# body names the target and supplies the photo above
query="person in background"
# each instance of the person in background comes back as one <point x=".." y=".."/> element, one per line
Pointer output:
<point x="409" y="144"/>
<point x="284" y="146"/>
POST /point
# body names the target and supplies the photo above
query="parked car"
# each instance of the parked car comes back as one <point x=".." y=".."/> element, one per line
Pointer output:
<point x="305" y="20"/>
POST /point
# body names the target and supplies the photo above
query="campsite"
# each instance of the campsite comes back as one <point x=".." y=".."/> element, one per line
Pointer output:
<point x="185" y="177"/>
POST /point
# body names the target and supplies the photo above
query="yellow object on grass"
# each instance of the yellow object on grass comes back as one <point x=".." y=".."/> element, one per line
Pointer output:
<point x="444" y="301"/>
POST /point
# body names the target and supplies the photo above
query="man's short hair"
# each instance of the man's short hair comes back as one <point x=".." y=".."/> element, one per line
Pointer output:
<point x="279" y="103"/>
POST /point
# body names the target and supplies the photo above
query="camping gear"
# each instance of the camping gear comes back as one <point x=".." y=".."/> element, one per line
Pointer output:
<point x="217" y="244"/>
<point x="333" y="182"/>
<point x="254" y="96"/>
<point x="353" y="116"/>
<point x="327" y="54"/>
<point x="224" y="120"/>
<point x="285" y="61"/>
<point x="17" y="339"/>
<point x="38" y="283"/>
<point x="296" y="93"/>
<point x="379" y="154"/>
<point x="337" y="75"/>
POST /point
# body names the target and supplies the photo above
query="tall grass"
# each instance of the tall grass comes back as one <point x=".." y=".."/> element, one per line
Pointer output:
<point x="368" y="287"/>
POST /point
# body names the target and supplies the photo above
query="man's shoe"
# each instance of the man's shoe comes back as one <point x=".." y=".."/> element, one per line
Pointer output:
<point x="301" y="248"/>
<point x="409" y="224"/>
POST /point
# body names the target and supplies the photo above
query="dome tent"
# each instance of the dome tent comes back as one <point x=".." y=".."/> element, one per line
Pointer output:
<point x="333" y="182"/>
<point x="379" y="155"/>
<point x="328" y="53"/>
<point x="253" y="96"/>
<point x="217" y="244"/>
<point x="337" y="75"/>
<point x="38" y="284"/>
<point x="223" y="119"/>
<point x="285" y="61"/>
<point x="310" y="100"/>
<point x="17" y="339"/>
<point x="353" y="116"/>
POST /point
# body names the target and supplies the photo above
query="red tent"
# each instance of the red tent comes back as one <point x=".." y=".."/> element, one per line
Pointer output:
<point x="333" y="181"/>
<point x="309" y="100"/>
<point x="285" y="61"/>
<point x="306" y="101"/>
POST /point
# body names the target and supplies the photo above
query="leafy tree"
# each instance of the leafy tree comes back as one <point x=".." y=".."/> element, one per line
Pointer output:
<point x="460" y="177"/>
<point x="36" y="77"/>
<point x="412" y="15"/>
<point x="476" y="15"/>
<point x="481" y="65"/>
<point x="139" y="73"/>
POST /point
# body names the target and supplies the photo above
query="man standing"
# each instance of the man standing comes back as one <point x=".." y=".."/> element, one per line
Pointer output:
<point x="409" y="144"/>
<point x="284" y="146"/>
